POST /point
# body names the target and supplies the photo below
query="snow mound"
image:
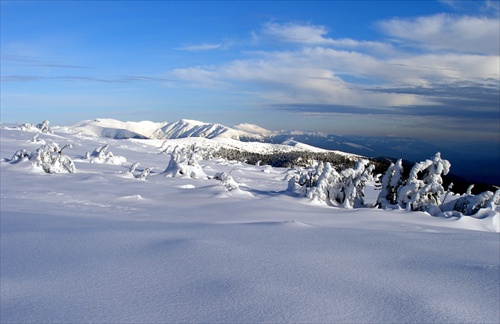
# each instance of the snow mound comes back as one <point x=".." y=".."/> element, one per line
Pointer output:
<point x="288" y="223"/>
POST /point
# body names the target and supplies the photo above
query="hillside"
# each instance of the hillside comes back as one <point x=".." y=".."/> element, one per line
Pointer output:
<point x="103" y="245"/>
<point x="410" y="149"/>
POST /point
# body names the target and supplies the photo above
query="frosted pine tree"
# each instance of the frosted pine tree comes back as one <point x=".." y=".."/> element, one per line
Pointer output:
<point x="50" y="158"/>
<point x="184" y="162"/>
<point x="145" y="173"/>
<point x="391" y="183"/>
<point x="354" y="182"/>
<point x="326" y="185"/>
<point x="44" y="127"/>
<point x="101" y="155"/>
<point x="424" y="194"/>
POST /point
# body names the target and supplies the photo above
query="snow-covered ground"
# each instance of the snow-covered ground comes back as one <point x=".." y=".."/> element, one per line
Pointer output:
<point x="99" y="245"/>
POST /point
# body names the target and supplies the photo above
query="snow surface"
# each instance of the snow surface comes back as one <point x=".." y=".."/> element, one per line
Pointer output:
<point x="101" y="246"/>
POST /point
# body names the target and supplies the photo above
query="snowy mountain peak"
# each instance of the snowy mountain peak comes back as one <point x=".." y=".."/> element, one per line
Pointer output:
<point x="193" y="128"/>
<point x="183" y="128"/>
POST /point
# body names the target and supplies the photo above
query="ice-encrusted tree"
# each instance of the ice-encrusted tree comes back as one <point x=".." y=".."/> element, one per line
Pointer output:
<point x="325" y="184"/>
<point x="102" y="155"/>
<point x="227" y="181"/>
<point x="184" y="162"/>
<point x="424" y="193"/>
<point x="469" y="204"/>
<point x="353" y="183"/>
<point x="44" y="127"/>
<point x="145" y="173"/>
<point x="49" y="157"/>
<point x="391" y="183"/>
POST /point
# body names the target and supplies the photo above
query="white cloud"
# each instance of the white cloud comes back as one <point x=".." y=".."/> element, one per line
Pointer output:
<point x="319" y="70"/>
<point x="200" y="47"/>
<point x="447" y="32"/>
<point x="295" y="33"/>
<point x="307" y="34"/>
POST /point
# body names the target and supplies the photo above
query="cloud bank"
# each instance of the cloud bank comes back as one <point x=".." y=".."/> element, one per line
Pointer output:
<point x="431" y="66"/>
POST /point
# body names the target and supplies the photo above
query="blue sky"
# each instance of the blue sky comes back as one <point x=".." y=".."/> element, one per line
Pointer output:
<point x="425" y="69"/>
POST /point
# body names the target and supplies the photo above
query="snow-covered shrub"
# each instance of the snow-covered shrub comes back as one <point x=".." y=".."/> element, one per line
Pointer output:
<point x="144" y="174"/>
<point x="424" y="193"/>
<point x="44" y="127"/>
<point x="37" y="140"/>
<point x="133" y="167"/>
<point x="325" y="184"/>
<point x="227" y="181"/>
<point x="49" y="157"/>
<point x="391" y="183"/>
<point x="184" y="162"/>
<point x="101" y="155"/>
<point x="27" y="127"/>
<point x="353" y="182"/>
<point x="19" y="156"/>
<point x="302" y="179"/>
<point x="469" y="204"/>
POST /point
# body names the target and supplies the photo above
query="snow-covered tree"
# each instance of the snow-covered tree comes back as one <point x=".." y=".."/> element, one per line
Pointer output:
<point x="145" y="173"/>
<point x="44" y="127"/>
<point x="133" y="167"/>
<point x="424" y="193"/>
<point x="325" y="183"/>
<point x="301" y="180"/>
<point x="184" y="162"/>
<point x="469" y="204"/>
<point x="227" y="181"/>
<point x="353" y="183"/>
<point x="101" y="155"/>
<point x="49" y="157"/>
<point x="28" y="127"/>
<point x="391" y="183"/>
<point x="19" y="156"/>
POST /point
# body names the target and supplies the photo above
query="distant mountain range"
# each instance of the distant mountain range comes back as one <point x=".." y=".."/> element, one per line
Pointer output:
<point x="411" y="149"/>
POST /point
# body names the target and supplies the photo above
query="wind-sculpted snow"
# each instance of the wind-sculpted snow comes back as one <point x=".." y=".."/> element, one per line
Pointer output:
<point x="101" y="245"/>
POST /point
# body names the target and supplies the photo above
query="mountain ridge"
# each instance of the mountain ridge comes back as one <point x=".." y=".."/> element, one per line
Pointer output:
<point x="394" y="147"/>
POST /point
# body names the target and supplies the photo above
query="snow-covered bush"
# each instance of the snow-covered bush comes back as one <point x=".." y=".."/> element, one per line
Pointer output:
<point x="353" y="182"/>
<point x="325" y="184"/>
<point x="48" y="157"/>
<point x="101" y="155"/>
<point x="184" y="162"/>
<point x="424" y="193"/>
<point x="469" y="204"/>
<point x="37" y="140"/>
<point x="44" y="127"/>
<point x="227" y="181"/>
<point x="141" y="176"/>
<point x="133" y="167"/>
<point x="144" y="174"/>
<point x="391" y="183"/>
<point x="27" y="127"/>
<point x="19" y="156"/>
<point x="302" y="179"/>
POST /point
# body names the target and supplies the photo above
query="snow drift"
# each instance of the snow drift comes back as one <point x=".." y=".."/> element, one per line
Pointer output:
<point x="97" y="245"/>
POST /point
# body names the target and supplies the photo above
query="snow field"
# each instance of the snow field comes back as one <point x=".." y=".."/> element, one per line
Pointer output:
<point x="101" y="246"/>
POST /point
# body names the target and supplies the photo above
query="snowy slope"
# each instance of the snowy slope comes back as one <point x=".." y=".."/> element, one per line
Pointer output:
<point x="183" y="128"/>
<point x="112" y="128"/>
<point x="192" y="128"/>
<point x="101" y="246"/>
